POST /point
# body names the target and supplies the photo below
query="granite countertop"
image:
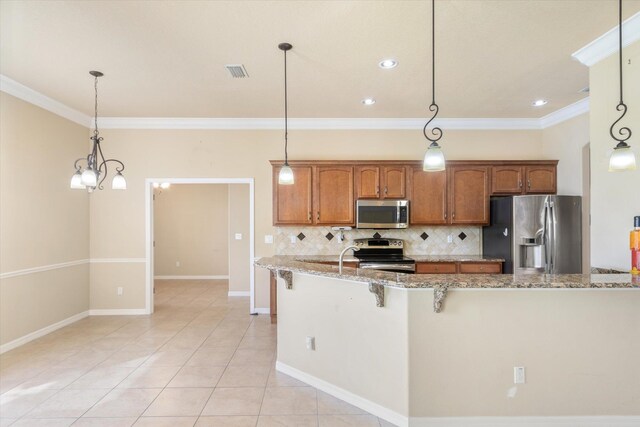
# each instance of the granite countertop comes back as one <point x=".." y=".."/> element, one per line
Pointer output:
<point x="304" y="264"/>
<point x="417" y="258"/>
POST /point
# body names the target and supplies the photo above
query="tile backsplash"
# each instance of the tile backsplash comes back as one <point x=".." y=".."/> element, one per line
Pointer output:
<point x="417" y="240"/>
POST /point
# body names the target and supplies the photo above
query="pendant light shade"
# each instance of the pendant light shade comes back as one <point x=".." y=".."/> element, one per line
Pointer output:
<point x="285" y="177"/>
<point x="434" y="157"/>
<point x="622" y="158"/>
<point x="76" y="181"/>
<point x="119" y="183"/>
<point x="89" y="178"/>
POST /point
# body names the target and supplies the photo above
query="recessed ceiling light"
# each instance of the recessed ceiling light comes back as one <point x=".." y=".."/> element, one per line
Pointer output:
<point x="388" y="63"/>
<point x="368" y="101"/>
<point x="539" y="102"/>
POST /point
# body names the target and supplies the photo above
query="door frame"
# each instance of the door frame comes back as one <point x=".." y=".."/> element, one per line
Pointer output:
<point x="148" y="194"/>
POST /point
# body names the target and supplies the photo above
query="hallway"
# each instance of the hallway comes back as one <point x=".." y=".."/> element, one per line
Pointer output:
<point x="200" y="360"/>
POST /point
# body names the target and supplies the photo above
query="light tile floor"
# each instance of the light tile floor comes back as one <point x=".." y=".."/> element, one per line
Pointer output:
<point x="199" y="360"/>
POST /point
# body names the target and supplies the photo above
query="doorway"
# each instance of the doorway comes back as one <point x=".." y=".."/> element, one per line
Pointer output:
<point x="241" y="194"/>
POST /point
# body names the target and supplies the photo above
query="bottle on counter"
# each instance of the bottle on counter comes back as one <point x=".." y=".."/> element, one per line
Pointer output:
<point x="634" y="244"/>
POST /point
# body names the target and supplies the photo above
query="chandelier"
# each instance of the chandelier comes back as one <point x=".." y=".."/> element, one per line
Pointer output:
<point x="95" y="171"/>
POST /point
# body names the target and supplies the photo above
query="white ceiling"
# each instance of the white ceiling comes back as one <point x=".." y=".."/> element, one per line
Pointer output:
<point x="166" y="59"/>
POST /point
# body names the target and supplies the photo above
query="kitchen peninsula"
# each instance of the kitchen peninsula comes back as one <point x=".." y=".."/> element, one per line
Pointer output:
<point x="422" y="350"/>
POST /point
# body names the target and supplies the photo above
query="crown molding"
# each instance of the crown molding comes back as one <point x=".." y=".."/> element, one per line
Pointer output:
<point x="607" y="44"/>
<point x="315" y="123"/>
<point x="31" y="96"/>
<point x="565" y="113"/>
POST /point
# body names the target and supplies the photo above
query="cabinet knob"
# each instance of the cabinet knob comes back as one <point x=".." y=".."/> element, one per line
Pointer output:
<point x="377" y="190"/>
<point x="445" y="215"/>
<point x="453" y="215"/>
<point x="318" y="216"/>
<point x="529" y="183"/>
<point x="385" y="190"/>
<point x="520" y="184"/>
<point x="309" y="216"/>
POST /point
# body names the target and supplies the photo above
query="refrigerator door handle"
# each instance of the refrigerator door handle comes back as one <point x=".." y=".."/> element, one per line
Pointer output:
<point x="552" y="236"/>
<point x="545" y="236"/>
<point x="505" y="233"/>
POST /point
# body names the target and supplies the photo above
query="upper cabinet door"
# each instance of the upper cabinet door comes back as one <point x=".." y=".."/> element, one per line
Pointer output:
<point x="506" y="180"/>
<point x="292" y="203"/>
<point x="428" y="198"/>
<point x="333" y="195"/>
<point x="367" y="182"/>
<point x="469" y="194"/>
<point x="393" y="182"/>
<point x="540" y="179"/>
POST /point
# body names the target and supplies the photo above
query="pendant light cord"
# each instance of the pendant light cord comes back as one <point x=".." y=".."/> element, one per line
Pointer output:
<point x="436" y="132"/>
<point x="624" y="133"/>
<point x="286" y="112"/>
<point x="95" y="85"/>
<point x="620" y="44"/>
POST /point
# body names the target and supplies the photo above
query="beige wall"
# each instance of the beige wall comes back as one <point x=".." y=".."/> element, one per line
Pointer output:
<point x="42" y="221"/>
<point x="564" y="142"/>
<point x="118" y="218"/>
<point x="239" y="262"/>
<point x="615" y="197"/>
<point x="191" y="227"/>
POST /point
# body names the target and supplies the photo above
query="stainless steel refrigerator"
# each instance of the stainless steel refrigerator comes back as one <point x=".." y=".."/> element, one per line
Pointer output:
<point x="535" y="234"/>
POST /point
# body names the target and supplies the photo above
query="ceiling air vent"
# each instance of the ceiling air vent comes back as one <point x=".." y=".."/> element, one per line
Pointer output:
<point x="237" y="71"/>
<point x="584" y="90"/>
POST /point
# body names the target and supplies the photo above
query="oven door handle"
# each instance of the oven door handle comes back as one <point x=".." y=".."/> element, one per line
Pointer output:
<point x="381" y="266"/>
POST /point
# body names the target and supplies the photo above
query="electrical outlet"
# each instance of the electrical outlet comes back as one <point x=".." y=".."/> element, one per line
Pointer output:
<point x="238" y="236"/>
<point x="268" y="239"/>
<point x="293" y="239"/>
<point x="311" y="343"/>
<point x="449" y="238"/>
<point x="518" y="374"/>
<point x="177" y="263"/>
<point x="120" y="291"/>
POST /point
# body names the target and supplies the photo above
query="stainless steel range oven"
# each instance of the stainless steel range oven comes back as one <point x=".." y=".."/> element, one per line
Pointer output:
<point x="383" y="254"/>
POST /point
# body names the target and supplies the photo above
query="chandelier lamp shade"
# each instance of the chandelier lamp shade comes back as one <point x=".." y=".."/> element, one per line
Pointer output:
<point x="95" y="165"/>
<point x="434" y="157"/>
<point x="622" y="157"/>
<point x="285" y="177"/>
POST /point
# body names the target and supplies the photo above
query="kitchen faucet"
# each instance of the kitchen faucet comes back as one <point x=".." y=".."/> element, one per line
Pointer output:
<point x="344" y="251"/>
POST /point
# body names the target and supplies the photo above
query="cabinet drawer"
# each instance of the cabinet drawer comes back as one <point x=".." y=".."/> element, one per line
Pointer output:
<point x="436" y="267"/>
<point x="481" y="267"/>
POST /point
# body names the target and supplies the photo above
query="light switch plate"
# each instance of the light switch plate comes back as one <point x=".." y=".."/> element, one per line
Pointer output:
<point x="268" y="238"/>
<point x="518" y="375"/>
<point x="238" y="236"/>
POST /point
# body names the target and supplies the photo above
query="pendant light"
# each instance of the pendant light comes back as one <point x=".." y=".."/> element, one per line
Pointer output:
<point x="89" y="178"/>
<point x="285" y="177"/>
<point x="622" y="157"/>
<point x="434" y="157"/>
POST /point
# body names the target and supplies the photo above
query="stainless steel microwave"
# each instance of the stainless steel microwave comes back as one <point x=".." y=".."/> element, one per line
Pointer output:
<point x="382" y="213"/>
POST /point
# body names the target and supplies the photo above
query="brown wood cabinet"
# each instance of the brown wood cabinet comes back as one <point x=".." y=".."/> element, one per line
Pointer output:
<point x="462" y="267"/>
<point x="380" y="182"/>
<point x="469" y="190"/>
<point x="523" y="179"/>
<point x="436" y="268"/>
<point x="428" y="198"/>
<point x="333" y="199"/>
<point x="325" y="191"/>
<point x="540" y="179"/>
<point x="292" y="204"/>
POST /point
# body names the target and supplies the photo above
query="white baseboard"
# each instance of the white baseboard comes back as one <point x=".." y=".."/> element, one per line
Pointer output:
<point x="118" y="312"/>
<point x="42" y="332"/>
<point x="362" y="403"/>
<point x="402" y="421"/>
<point x="191" y="277"/>
<point x="261" y="310"/>
<point x="590" y="421"/>
<point x="239" y="293"/>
